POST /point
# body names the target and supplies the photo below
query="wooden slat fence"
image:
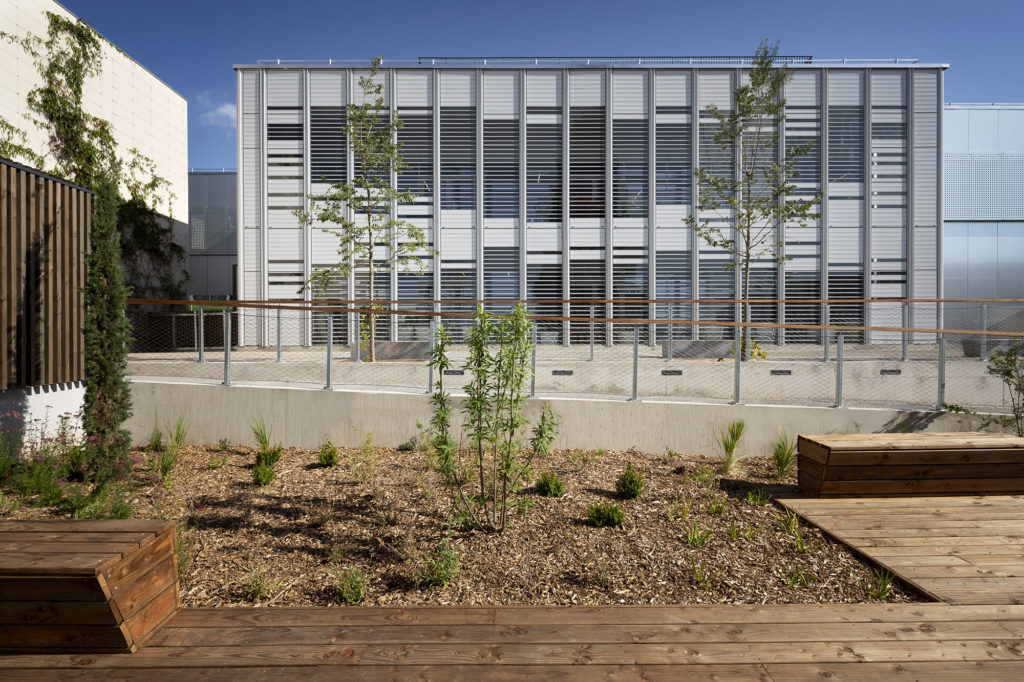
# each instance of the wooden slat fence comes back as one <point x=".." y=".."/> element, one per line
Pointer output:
<point x="44" y="234"/>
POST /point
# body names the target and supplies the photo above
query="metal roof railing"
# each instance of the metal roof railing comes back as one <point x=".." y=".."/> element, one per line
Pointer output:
<point x="702" y="60"/>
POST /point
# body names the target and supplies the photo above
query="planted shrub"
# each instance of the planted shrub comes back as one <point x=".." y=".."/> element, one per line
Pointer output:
<point x="269" y="457"/>
<point x="328" y="454"/>
<point x="351" y="585"/>
<point x="1008" y="365"/>
<point x="223" y="444"/>
<point x="783" y="455"/>
<point x="630" y="483"/>
<point x="440" y="566"/>
<point x="257" y="586"/>
<point x="156" y="438"/>
<point x="549" y="485"/>
<point x="728" y="440"/>
<point x="262" y="474"/>
<point x="605" y="514"/>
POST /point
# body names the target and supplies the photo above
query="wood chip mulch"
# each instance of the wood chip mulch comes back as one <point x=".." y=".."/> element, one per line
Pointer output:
<point x="298" y="531"/>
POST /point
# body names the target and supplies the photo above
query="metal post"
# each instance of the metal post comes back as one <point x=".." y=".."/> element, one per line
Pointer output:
<point x="839" y="370"/>
<point x="330" y="348"/>
<point x="359" y="338"/>
<point x="227" y="347"/>
<point x="174" y="331"/>
<point x="906" y="338"/>
<point x="200" y="335"/>
<point x="827" y="331"/>
<point x="591" y="332"/>
<point x="942" y="373"/>
<point x="279" y="335"/>
<point x="984" y="337"/>
<point x="737" y="350"/>
<point x="636" y="360"/>
<point x="533" y="365"/>
<point x="430" y="359"/>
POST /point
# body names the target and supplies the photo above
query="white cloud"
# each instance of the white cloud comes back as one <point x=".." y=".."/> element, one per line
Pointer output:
<point x="221" y="116"/>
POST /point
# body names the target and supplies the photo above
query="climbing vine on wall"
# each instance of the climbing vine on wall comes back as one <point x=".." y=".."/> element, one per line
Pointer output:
<point x="80" y="146"/>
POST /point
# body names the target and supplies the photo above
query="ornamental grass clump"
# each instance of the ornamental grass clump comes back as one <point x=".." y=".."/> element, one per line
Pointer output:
<point x="630" y="483"/>
<point x="549" y="485"/>
<point x="728" y="440"/>
<point x="783" y="455"/>
<point x="266" y="456"/>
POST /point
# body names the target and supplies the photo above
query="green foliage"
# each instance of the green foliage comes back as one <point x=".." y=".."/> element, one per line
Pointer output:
<point x="223" y="444"/>
<point x="350" y="585"/>
<point x="879" y="584"/>
<point x="705" y="477"/>
<point x="363" y="462"/>
<point x="359" y="211"/>
<point x="789" y="521"/>
<point x="605" y="514"/>
<point x="261" y="433"/>
<point x="262" y="474"/>
<point x="697" y="537"/>
<point x="761" y="194"/>
<point x="7" y="505"/>
<point x="215" y="463"/>
<point x="156" y="438"/>
<point x="703" y="574"/>
<point x="499" y="364"/>
<point x="177" y="435"/>
<point x="108" y="334"/>
<point x="108" y="501"/>
<point x="728" y="440"/>
<point x="328" y="454"/>
<point x="37" y="479"/>
<point x="523" y="505"/>
<point x="256" y="586"/>
<point x="630" y="483"/>
<point x="783" y="455"/>
<point x="1008" y="365"/>
<point x="750" y="532"/>
<point x="269" y="457"/>
<point x="800" y="577"/>
<point x="717" y="505"/>
<point x="800" y="543"/>
<point x="550" y="485"/>
<point x="602" y="575"/>
<point x="678" y="512"/>
<point x="758" y="497"/>
<point x="440" y="566"/>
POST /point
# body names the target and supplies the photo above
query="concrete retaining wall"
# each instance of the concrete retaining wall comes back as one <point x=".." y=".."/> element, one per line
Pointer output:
<point x="303" y="418"/>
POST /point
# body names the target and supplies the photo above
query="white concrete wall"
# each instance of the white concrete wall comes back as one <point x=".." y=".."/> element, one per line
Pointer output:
<point x="39" y="408"/>
<point x="304" y="417"/>
<point x="144" y="112"/>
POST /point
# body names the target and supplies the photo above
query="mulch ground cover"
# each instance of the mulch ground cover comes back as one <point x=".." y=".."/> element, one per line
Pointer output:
<point x="382" y="512"/>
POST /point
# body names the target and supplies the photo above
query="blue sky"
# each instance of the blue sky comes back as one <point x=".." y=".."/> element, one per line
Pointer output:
<point x="192" y="45"/>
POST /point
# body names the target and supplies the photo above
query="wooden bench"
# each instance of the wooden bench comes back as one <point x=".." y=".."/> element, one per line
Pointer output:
<point x="910" y="463"/>
<point x="84" y="586"/>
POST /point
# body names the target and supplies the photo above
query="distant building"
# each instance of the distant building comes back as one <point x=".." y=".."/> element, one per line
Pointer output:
<point x="571" y="178"/>
<point x="213" y="233"/>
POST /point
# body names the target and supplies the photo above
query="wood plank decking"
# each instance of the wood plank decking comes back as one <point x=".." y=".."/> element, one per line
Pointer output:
<point x="960" y="550"/>
<point x="857" y="641"/>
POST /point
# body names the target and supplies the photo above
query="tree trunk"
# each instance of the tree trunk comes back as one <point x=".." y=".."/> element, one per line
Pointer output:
<point x="371" y="349"/>
<point x="745" y="315"/>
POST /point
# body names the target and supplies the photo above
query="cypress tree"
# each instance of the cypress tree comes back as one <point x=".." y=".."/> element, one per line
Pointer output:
<point x="107" y="337"/>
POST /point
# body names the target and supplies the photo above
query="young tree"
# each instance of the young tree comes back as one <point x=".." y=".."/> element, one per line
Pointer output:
<point x="757" y="200"/>
<point x="372" y="240"/>
<point x="107" y="336"/>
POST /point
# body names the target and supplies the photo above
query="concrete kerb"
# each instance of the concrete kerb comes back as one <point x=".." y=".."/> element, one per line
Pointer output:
<point x="301" y="417"/>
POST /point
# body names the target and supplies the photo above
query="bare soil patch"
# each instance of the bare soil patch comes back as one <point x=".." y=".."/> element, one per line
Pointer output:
<point x="383" y="513"/>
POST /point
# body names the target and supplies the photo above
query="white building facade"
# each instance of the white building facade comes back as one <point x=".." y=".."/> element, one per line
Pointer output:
<point x="571" y="179"/>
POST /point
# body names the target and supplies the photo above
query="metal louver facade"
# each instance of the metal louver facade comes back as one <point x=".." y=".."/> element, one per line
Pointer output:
<point x="575" y="183"/>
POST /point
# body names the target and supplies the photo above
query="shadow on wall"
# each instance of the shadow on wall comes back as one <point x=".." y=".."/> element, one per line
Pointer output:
<point x="910" y="422"/>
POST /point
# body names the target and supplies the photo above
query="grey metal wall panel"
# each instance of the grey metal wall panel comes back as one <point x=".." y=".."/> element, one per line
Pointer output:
<point x="414" y="89"/>
<point x="587" y="89"/>
<point x="284" y="88"/>
<point x="328" y="88"/>
<point x="501" y="94"/>
<point x="544" y="89"/>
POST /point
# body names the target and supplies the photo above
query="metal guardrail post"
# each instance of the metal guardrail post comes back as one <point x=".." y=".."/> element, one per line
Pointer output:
<point x="359" y="338"/>
<point x="671" y="327"/>
<point x="430" y="358"/>
<point x="942" y="373"/>
<point x="636" y="361"/>
<point x="591" y="333"/>
<point x="227" y="347"/>
<point x="278" y="335"/>
<point x="839" y="370"/>
<point x="330" y="351"/>
<point x="533" y="363"/>
<point x="906" y="337"/>
<point x="738" y="352"/>
<point x="201" y="341"/>
<point x="984" y="327"/>
<point x="826" y="331"/>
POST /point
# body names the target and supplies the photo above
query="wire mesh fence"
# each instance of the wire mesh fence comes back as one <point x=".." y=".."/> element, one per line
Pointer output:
<point x="883" y="359"/>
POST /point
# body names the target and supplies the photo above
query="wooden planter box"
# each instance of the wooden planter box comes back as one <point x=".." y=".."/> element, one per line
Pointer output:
<point x="837" y="464"/>
<point x="84" y="586"/>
